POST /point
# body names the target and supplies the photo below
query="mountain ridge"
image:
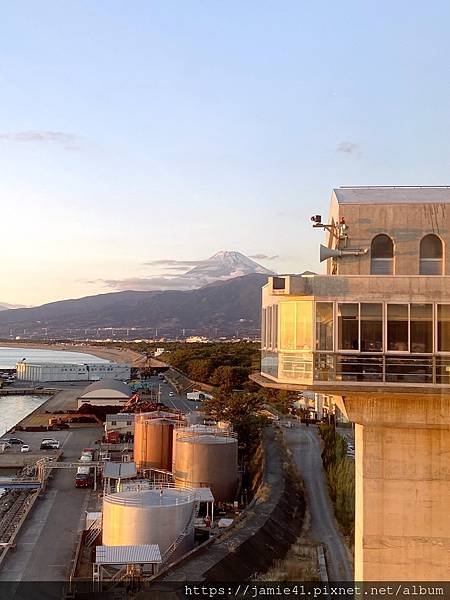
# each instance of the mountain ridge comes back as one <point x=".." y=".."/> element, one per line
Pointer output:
<point x="222" y="306"/>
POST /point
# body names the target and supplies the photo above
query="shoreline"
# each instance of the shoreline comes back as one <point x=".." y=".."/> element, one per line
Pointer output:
<point x="124" y="355"/>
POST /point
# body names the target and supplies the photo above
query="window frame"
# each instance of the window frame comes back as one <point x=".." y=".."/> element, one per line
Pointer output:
<point x="384" y="259"/>
<point x="336" y="329"/>
<point x="436" y="340"/>
<point x="442" y="259"/>
<point x="333" y="337"/>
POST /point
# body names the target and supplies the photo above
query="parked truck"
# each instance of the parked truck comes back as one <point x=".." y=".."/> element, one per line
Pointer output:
<point x="198" y="396"/>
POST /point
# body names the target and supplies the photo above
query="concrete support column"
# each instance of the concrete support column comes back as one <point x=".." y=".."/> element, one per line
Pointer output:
<point x="402" y="521"/>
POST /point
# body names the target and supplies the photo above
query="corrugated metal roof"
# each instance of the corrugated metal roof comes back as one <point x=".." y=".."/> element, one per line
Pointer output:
<point x="94" y="515"/>
<point x="392" y="195"/>
<point x="119" y="470"/>
<point x="203" y="494"/>
<point x="108" y="384"/>
<point x="127" y="555"/>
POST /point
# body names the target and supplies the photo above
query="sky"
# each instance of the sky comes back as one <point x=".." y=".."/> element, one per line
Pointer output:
<point x="138" y="132"/>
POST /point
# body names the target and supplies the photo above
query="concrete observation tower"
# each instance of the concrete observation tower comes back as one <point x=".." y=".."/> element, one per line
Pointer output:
<point x="374" y="333"/>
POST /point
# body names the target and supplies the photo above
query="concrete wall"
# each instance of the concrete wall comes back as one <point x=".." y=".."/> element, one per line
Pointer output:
<point x="406" y="224"/>
<point x="402" y="529"/>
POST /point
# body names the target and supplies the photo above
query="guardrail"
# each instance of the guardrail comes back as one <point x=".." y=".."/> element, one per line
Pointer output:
<point x="182" y="496"/>
<point x="382" y="368"/>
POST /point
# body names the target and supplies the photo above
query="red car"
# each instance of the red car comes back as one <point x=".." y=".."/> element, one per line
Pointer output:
<point x="83" y="480"/>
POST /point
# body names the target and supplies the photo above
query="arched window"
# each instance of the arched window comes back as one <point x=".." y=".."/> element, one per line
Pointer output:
<point x="382" y="255"/>
<point x="431" y="255"/>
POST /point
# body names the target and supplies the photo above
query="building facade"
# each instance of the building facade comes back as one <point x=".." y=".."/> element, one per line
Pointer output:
<point x="374" y="332"/>
<point x="27" y="371"/>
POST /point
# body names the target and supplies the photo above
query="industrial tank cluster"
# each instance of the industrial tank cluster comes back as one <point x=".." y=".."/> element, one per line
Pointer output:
<point x="197" y="455"/>
<point x="162" y="516"/>
<point x="194" y="456"/>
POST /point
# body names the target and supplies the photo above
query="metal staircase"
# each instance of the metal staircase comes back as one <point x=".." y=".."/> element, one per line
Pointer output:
<point x="172" y="548"/>
<point x="93" y="532"/>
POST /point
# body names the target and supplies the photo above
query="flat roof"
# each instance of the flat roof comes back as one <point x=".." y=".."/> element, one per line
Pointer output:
<point x="127" y="555"/>
<point x="203" y="494"/>
<point x="28" y="363"/>
<point x="393" y="194"/>
<point x="120" y="417"/>
<point x="119" y="470"/>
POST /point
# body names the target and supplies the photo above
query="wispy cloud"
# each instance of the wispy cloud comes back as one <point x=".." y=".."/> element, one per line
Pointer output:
<point x="263" y="256"/>
<point x="348" y="148"/>
<point x="148" y="284"/>
<point x="68" y="140"/>
<point x="173" y="264"/>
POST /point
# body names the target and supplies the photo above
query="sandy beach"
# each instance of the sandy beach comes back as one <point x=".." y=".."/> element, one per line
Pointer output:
<point x="118" y="355"/>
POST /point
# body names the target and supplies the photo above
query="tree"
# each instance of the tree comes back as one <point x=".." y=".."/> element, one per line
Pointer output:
<point x="229" y="378"/>
<point x="199" y="369"/>
<point x="242" y="411"/>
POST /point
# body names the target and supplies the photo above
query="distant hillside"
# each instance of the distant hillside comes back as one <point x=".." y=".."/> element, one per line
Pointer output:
<point x="217" y="309"/>
<point x="6" y="306"/>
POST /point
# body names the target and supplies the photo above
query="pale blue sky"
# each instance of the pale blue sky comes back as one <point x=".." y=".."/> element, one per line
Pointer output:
<point x="143" y="130"/>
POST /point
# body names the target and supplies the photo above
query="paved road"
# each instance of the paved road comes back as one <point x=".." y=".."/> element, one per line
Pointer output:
<point x="176" y="401"/>
<point x="306" y="448"/>
<point x="47" y="540"/>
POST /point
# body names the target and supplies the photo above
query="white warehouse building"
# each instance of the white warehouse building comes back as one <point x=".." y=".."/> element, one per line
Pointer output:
<point x="39" y="371"/>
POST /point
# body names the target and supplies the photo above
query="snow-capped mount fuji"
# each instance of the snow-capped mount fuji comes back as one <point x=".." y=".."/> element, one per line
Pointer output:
<point x="223" y="265"/>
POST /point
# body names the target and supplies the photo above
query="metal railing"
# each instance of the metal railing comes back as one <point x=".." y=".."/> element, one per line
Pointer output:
<point x="382" y="368"/>
<point x="181" y="495"/>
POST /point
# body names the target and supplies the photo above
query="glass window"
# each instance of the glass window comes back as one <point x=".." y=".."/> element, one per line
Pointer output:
<point x="431" y="255"/>
<point x="421" y="327"/>
<point x="269" y="327"/>
<point x="303" y="335"/>
<point x="263" y="328"/>
<point x="443" y="319"/>
<point x="324" y="326"/>
<point x="287" y="325"/>
<point x="295" y="325"/>
<point x="371" y="327"/>
<point x="348" y="326"/>
<point x="382" y="255"/>
<point x="275" y="326"/>
<point x="397" y="327"/>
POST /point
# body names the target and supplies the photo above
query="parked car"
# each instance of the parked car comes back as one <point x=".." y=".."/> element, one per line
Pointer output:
<point x="25" y="448"/>
<point x="171" y="394"/>
<point x="83" y="480"/>
<point x="13" y="441"/>
<point x="49" y="444"/>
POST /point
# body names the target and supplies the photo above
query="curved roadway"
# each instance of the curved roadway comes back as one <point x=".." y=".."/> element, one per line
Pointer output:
<point x="306" y="448"/>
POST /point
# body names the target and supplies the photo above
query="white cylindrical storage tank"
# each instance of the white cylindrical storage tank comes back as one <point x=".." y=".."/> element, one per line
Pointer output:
<point x="155" y="516"/>
<point x="208" y="460"/>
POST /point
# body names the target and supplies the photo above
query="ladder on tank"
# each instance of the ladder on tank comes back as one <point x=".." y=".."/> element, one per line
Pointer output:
<point x="171" y="549"/>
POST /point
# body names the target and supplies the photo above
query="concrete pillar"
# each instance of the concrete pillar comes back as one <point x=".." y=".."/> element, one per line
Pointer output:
<point x="402" y="445"/>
